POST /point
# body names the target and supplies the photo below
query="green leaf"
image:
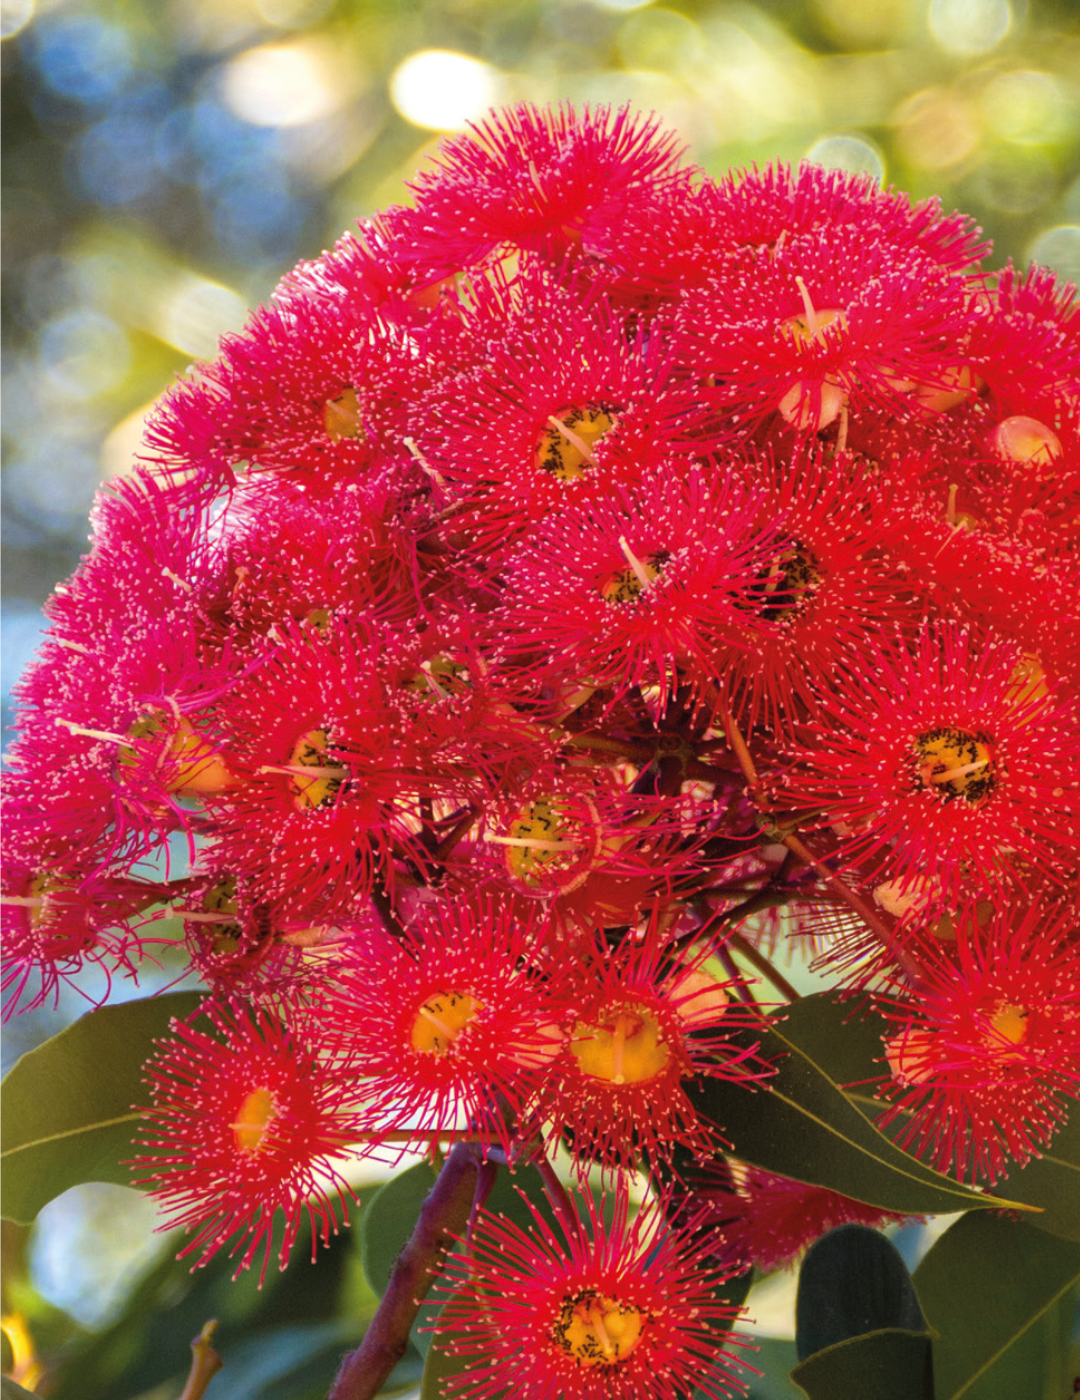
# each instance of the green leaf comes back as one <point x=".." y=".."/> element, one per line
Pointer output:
<point x="1053" y="1182"/>
<point x="441" y="1365"/>
<point x="982" y="1286"/>
<point x="843" y="1036"/>
<point x="852" y="1281"/>
<point x="802" y="1125"/>
<point x="888" y="1365"/>
<point x="67" y="1112"/>
<point x="390" y="1219"/>
<point x="10" y="1391"/>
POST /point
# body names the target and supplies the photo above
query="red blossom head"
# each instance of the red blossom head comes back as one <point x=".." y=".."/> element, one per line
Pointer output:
<point x="589" y="1310"/>
<point x="246" y="1120"/>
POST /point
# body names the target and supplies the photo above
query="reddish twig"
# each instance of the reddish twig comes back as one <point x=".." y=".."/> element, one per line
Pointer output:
<point x="793" y="843"/>
<point x="205" y="1363"/>
<point x="442" y="1221"/>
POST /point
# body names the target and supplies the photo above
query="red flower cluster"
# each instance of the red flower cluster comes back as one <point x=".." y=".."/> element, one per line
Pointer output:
<point x="487" y="618"/>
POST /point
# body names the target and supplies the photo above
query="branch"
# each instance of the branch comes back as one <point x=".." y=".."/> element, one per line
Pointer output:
<point x="442" y="1220"/>
<point x="205" y="1363"/>
<point x="799" y="849"/>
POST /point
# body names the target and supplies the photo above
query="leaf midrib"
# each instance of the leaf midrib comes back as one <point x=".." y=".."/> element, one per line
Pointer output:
<point x="69" y="1133"/>
<point x="972" y="1199"/>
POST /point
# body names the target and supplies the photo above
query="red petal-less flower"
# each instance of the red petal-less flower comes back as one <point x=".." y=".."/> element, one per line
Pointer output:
<point x="639" y="587"/>
<point x="549" y="179"/>
<point x="563" y="397"/>
<point x="986" y="1052"/>
<point x="767" y="1220"/>
<point x="643" y="1024"/>
<point x="588" y="1310"/>
<point x="246" y="1122"/>
<point x="460" y="1012"/>
<point x="939" y="764"/>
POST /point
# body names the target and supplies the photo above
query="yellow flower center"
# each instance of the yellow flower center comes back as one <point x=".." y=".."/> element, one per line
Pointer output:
<point x="320" y="789"/>
<point x="220" y="898"/>
<point x="1009" y="1026"/>
<point x="251" y="1122"/>
<point x="805" y="328"/>
<point x="188" y="765"/>
<point x="788" y="582"/>
<point x="441" y="1020"/>
<point x="624" y="585"/>
<point x="956" y="763"/>
<point x="341" y="416"/>
<point x="565" y="449"/>
<point x="626" y="1047"/>
<point x="545" y="844"/>
<point x="597" y="1330"/>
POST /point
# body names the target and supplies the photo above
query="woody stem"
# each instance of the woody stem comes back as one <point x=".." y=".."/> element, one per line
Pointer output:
<point x="442" y="1220"/>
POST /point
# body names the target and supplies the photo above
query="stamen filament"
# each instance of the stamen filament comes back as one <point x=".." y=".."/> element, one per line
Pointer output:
<point x="573" y="439"/>
<point x="302" y="771"/>
<point x="93" y="733"/>
<point x="813" y="325"/>
<point x="199" y="916"/>
<point x="959" y="772"/>
<point x="440" y="1026"/>
<point x="26" y="901"/>
<point x="617" y="1046"/>
<point x="596" y="1319"/>
<point x="640" y="572"/>
<point x="535" y="843"/>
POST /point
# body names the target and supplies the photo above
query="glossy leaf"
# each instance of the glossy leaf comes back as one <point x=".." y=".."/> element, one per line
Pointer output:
<point x="1052" y="1181"/>
<point x="885" y="1365"/>
<point x="852" y="1281"/>
<point x="985" y="1283"/>
<point x="389" y="1221"/>
<point x="802" y="1125"/>
<point x="67" y="1105"/>
<point x="10" y="1391"/>
<point x="843" y="1036"/>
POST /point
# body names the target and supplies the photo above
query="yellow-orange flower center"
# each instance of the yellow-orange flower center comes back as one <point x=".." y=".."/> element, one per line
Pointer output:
<point x="956" y="763"/>
<point x="626" y="1047"/>
<point x="624" y="585"/>
<point x="565" y="449"/>
<point x="250" y="1124"/>
<point x="788" y="582"/>
<point x="441" y="1020"/>
<point x="188" y="763"/>
<point x="341" y="416"/>
<point x="1008" y="1026"/>
<point x="320" y="789"/>
<point x="597" y="1330"/>
<point x="547" y="844"/>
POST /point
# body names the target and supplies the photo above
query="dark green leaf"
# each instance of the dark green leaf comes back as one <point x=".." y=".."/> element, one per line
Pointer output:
<point x="389" y="1221"/>
<point x="441" y="1365"/>
<point x="886" y="1365"/>
<point x="843" y="1037"/>
<point x="67" y="1106"/>
<point x="985" y="1282"/>
<point x="1053" y="1182"/>
<point x="10" y="1391"/>
<point x="852" y="1281"/>
<point x="802" y="1125"/>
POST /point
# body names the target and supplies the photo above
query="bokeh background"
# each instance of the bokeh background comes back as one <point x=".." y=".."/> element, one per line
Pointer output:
<point x="167" y="160"/>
